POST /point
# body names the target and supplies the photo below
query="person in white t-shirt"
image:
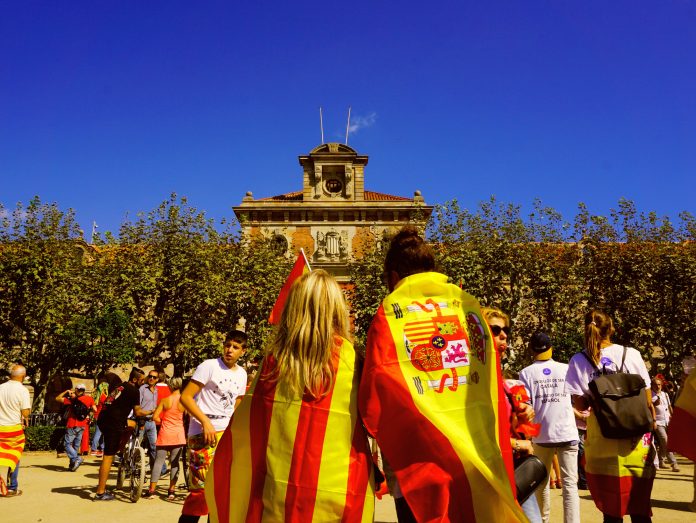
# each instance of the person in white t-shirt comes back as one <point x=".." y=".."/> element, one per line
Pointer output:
<point x="545" y="380"/>
<point x="14" y="415"/>
<point x="211" y="397"/>
<point x="619" y="472"/>
<point x="663" y="413"/>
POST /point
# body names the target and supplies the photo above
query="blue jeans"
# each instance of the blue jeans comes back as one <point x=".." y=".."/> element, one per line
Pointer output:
<point x="150" y="430"/>
<point x="13" y="482"/>
<point x="531" y="509"/>
<point x="98" y="439"/>
<point x="73" y="440"/>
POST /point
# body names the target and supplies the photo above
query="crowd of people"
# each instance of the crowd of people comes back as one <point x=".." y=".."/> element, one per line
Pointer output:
<point x="427" y="413"/>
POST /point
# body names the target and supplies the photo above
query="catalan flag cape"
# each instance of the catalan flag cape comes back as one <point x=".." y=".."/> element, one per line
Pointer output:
<point x="295" y="460"/>
<point x="11" y="445"/>
<point x="620" y="472"/>
<point x="431" y="394"/>
<point x="682" y="428"/>
<point x="301" y="266"/>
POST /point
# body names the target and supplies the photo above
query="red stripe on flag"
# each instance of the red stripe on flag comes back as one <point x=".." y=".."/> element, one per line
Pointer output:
<point x="681" y="433"/>
<point x="221" y="475"/>
<point x="432" y="478"/>
<point x="12" y="434"/>
<point x="306" y="455"/>
<point x="620" y="495"/>
<point x="261" y="410"/>
<point x="297" y="270"/>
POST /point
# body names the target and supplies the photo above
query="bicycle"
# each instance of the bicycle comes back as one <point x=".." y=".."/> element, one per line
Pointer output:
<point x="132" y="465"/>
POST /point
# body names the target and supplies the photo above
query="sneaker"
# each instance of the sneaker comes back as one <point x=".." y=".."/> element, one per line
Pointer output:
<point x="77" y="464"/>
<point x="15" y="492"/>
<point x="675" y="468"/>
<point x="104" y="496"/>
<point x="148" y="495"/>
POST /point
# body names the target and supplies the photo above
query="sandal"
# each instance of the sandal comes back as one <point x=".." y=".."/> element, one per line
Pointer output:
<point x="171" y="496"/>
<point x="148" y="494"/>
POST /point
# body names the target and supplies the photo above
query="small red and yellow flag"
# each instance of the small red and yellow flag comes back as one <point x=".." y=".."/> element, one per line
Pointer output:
<point x="294" y="459"/>
<point x="431" y="394"/>
<point x="301" y="266"/>
<point x="682" y="428"/>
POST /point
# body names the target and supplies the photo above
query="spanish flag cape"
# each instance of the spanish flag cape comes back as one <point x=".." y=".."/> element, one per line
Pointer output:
<point x="295" y="460"/>
<point x="619" y="472"/>
<point x="11" y="445"/>
<point x="682" y="428"/>
<point x="431" y="394"/>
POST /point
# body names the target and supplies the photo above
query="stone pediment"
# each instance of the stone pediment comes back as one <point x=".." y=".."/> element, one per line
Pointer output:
<point x="333" y="148"/>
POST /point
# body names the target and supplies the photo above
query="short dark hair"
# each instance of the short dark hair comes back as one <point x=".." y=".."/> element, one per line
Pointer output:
<point x="135" y="373"/>
<point x="409" y="254"/>
<point x="238" y="336"/>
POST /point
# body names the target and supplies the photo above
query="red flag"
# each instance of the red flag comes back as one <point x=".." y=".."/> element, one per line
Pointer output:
<point x="301" y="266"/>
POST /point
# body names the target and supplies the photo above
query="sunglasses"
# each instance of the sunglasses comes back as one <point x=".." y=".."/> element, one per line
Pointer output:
<point x="152" y="377"/>
<point x="497" y="329"/>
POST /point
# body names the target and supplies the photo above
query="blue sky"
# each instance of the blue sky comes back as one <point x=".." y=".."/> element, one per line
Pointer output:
<point x="107" y="107"/>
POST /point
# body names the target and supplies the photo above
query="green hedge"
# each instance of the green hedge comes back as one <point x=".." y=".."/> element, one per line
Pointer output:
<point x="46" y="437"/>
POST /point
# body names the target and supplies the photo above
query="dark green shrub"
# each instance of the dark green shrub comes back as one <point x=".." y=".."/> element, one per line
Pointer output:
<point x="46" y="437"/>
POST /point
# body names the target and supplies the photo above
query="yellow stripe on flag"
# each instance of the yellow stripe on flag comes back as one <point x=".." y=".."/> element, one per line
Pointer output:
<point x="279" y="457"/>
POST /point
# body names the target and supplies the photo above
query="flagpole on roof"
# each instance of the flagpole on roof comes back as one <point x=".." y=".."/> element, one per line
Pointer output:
<point x="321" y="124"/>
<point x="348" y="125"/>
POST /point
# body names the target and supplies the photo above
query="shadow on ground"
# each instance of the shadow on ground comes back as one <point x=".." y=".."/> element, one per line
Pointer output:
<point x="682" y="506"/>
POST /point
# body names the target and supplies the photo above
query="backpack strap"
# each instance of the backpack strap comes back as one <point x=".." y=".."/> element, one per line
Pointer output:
<point x="594" y="365"/>
<point x="623" y="359"/>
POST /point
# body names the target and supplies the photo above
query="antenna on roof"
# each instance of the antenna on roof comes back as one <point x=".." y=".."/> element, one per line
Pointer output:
<point x="321" y="124"/>
<point x="348" y="125"/>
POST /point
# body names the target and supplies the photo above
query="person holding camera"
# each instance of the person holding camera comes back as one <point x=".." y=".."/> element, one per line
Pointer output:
<point x="80" y="406"/>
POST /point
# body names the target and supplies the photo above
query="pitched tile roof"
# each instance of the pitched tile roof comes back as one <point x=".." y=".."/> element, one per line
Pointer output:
<point x="369" y="196"/>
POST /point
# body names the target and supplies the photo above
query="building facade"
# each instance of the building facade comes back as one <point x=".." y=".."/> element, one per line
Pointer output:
<point x="333" y="218"/>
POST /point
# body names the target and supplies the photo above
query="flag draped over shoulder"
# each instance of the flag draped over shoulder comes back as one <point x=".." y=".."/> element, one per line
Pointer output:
<point x="682" y="428"/>
<point x="301" y="266"/>
<point x="295" y="460"/>
<point x="11" y="445"/>
<point x="431" y="394"/>
<point x="619" y="472"/>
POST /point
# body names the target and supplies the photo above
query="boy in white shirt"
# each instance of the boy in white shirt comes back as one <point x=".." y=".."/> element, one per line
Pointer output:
<point x="663" y="413"/>
<point x="211" y="397"/>
<point x="545" y="380"/>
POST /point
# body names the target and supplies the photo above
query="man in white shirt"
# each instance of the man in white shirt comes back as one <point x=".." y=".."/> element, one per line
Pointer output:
<point x="663" y="413"/>
<point x="211" y="397"/>
<point x="15" y="406"/>
<point x="545" y="380"/>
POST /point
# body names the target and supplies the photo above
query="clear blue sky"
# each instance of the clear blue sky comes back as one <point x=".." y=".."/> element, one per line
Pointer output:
<point x="107" y="107"/>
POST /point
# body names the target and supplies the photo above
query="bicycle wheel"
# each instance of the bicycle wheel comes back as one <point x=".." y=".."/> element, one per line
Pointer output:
<point x="137" y="476"/>
<point x="122" y="469"/>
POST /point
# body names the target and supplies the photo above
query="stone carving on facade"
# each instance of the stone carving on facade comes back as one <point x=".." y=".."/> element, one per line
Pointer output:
<point x="332" y="246"/>
<point x="317" y="181"/>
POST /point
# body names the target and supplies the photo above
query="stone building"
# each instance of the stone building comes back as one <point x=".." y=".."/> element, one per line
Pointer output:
<point x="333" y="217"/>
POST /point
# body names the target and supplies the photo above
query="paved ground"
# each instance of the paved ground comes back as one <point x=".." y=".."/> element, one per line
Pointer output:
<point x="54" y="495"/>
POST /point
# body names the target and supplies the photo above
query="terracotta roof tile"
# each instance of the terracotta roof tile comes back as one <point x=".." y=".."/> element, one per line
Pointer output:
<point x="371" y="196"/>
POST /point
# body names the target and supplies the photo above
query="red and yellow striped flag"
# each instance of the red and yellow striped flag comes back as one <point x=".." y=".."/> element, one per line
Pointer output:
<point x="682" y="428"/>
<point x="431" y="394"/>
<point x="301" y="266"/>
<point x="294" y="460"/>
<point x="11" y="445"/>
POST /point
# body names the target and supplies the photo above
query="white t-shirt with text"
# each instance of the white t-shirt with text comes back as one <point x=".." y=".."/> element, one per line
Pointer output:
<point x="545" y="381"/>
<point x="221" y="388"/>
<point x="14" y="398"/>
<point x="581" y="372"/>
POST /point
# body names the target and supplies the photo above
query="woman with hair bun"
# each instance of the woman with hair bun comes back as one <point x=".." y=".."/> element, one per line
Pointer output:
<point x="620" y="472"/>
<point x="431" y="395"/>
<point x="295" y="449"/>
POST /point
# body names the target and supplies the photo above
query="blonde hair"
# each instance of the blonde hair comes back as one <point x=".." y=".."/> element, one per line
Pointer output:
<point x="314" y="315"/>
<point x="598" y="327"/>
<point x="174" y="384"/>
<point x="491" y="312"/>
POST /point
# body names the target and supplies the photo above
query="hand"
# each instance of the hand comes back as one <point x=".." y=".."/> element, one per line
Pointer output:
<point x="209" y="433"/>
<point x="525" y="414"/>
<point x="525" y="447"/>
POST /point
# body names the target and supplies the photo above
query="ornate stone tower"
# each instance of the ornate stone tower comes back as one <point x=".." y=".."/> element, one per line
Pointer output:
<point x="333" y="218"/>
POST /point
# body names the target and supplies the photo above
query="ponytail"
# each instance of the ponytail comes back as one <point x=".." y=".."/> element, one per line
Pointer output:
<point x="598" y="327"/>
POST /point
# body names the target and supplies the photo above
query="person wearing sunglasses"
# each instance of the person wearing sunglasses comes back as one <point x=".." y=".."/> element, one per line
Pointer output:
<point x="518" y="414"/>
<point x="148" y="402"/>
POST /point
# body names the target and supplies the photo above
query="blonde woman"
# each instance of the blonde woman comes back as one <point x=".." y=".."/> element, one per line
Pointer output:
<point x="620" y="472"/>
<point x="171" y="438"/>
<point x="295" y="449"/>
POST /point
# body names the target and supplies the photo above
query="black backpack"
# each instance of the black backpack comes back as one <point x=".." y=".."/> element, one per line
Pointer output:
<point x="80" y="411"/>
<point x="620" y="403"/>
